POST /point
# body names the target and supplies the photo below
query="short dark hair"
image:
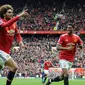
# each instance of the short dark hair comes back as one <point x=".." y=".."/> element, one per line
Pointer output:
<point x="4" y="8"/>
<point x="70" y="25"/>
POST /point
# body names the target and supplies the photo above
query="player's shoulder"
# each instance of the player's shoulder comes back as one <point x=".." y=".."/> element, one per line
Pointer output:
<point x="45" y="61"/>
<point x="63" y="35"/>
<point x="75" y="35"/>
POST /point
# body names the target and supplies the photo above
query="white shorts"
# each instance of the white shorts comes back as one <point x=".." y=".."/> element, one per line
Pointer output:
<point x="65" y="64"/>
<point x="4" y="57"/>
<point x="46" y="72"/>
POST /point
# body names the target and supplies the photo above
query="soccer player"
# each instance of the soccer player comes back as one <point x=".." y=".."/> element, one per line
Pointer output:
<point x="8" y="29"/>
<point x="47" y="64"/>
<point x="67" y="44"/>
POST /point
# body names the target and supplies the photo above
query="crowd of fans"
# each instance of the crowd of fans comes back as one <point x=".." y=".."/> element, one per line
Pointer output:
<point x="49" y="18"/>
<point x="37" y="49"/>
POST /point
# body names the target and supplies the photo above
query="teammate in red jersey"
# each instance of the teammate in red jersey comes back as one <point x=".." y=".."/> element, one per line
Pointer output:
<point x="67" y="44"/>
<point x="47" y="64"/>
<point x="8" y="29"/>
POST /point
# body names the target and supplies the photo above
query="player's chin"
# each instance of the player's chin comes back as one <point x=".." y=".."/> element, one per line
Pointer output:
<point x="8" y="18"/>
<point x="11" y="16"/>
<point x="70" y="31"/>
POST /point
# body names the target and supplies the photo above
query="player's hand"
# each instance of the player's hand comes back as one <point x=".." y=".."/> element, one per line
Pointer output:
<point x="21" y="44"/>
<point x="53" y="49"/>
<point x="23" y="13"/>
<point x="70" y="48"/>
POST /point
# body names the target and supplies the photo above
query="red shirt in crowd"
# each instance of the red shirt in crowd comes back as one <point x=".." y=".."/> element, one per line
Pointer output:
<point x="66" y="40"/>
<point x="47" y="65"/>
<point x="8" y="29"/>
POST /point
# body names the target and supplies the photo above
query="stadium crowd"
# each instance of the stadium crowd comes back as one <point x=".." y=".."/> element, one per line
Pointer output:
<point x="38" y="48"/>
<point x="48" y="18"/>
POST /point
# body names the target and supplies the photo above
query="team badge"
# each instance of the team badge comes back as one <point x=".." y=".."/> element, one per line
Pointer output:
<point x="75" y="40"/>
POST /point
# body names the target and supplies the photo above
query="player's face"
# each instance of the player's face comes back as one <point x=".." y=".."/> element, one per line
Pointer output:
<point x="70" y="29"/>
<point x="9" y="14"/>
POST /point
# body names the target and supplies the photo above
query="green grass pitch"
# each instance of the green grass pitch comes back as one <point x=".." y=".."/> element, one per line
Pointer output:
<point x="38" y="82"/>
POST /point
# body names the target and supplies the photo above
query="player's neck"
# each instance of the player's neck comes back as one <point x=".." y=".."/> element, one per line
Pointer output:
<point x="70" y="34"/>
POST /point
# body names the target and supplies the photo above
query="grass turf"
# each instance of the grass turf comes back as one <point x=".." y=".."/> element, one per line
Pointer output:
<point x="38" y="82"/>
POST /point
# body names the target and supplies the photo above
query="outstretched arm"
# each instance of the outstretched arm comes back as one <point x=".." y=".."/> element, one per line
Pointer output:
<point x="14" y="19"/>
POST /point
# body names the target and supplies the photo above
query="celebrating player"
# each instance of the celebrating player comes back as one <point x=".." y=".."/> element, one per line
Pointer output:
<point x="67" y="46"/>
<point x="8" y="29"/>
<point x="47" y="64"/>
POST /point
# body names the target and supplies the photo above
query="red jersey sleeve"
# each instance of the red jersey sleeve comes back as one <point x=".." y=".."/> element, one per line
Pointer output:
<point x="60" y="41"/>
<point x="51" y="64"/>
<point x="11" y="21"/>
<point x="80" y="42"/>
<point x="17" y="35"/>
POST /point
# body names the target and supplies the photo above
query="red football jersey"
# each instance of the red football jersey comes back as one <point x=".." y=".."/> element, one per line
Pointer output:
<point x="47" y="65"/>
<point x="66" y="40"/>
<point x="8" y="29"/>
